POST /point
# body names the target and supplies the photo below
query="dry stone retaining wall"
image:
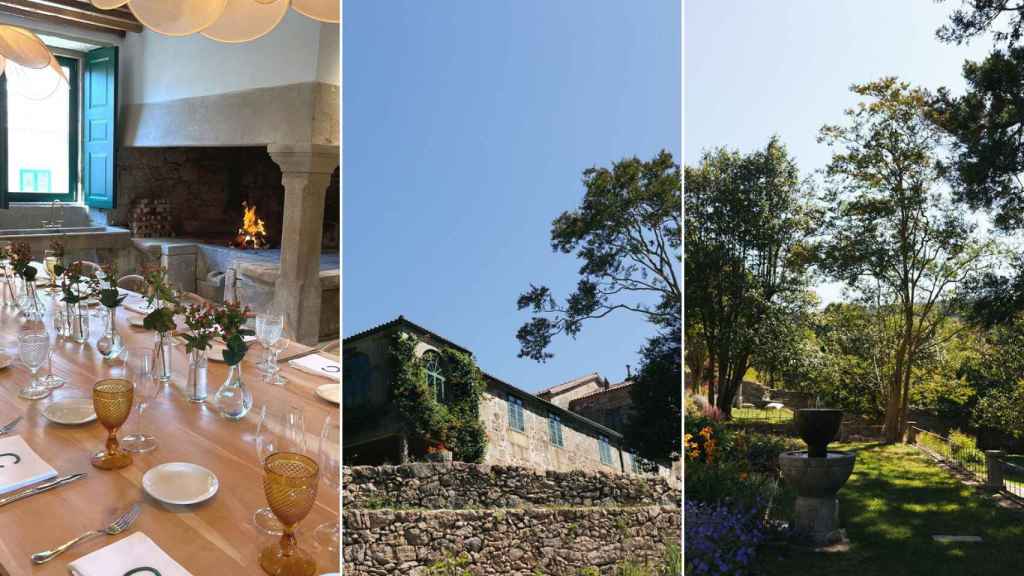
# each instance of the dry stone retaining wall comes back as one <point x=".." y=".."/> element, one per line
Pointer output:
<point x="517" y="542"/>
<point x="458" y="486"/>
<point x="506" y="520"/>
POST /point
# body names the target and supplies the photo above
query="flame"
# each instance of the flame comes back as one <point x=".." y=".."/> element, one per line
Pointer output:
<point x="253" y="233"/>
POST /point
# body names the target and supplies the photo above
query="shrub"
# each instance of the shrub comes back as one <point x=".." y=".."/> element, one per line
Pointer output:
<point x="759" y="451"/>
<point x="720" y="539"/>
<point x="965" y="447"/>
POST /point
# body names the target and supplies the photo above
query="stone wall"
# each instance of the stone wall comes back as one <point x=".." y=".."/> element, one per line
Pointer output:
<point x="458" y="486"/>
<point x="518" y="542"/>
<point x="611" y="407"/>
<point x="503" y="520"/>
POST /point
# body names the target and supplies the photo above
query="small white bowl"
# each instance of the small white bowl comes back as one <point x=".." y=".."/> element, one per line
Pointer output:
<point x="180" y="483"/>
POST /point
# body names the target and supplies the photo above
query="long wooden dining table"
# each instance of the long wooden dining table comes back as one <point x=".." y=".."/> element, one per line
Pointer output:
<point x="216" y="537"/>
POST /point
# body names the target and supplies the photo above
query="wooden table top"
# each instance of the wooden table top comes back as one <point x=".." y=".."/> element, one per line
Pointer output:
<point x="216" y="537"/>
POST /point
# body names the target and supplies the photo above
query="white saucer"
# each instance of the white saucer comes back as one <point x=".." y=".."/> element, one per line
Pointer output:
<point x="180" y="483"/>
<point x="70" y="411"/>
<point x="330" y="392"/>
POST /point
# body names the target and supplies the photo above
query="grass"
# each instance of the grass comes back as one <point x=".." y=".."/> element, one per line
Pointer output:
<point x="762" y="415"/>
<point x="894" y="502"/>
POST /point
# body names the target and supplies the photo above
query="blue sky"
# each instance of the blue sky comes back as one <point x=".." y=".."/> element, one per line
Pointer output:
<point x="784" y="67"/>
<point x="467" y="126"/>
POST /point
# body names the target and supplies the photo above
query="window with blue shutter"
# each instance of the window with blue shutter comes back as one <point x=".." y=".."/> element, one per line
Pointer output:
<point x="515" y="414"/>
<point x="99" y="128"/>
<point x="605" y="449"/>
<point x="555" y="430"/>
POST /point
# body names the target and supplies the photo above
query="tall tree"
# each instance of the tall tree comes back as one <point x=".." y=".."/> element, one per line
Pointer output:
<point x="890" y="231"/>
<point x="1004" y="18"/>
<point x="653" y="429"/>
<point x="748" y="219"/>
<point x="627" y="232"/>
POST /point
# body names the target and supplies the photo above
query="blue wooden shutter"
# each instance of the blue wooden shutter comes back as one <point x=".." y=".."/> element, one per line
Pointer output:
<point x="99" y="128"/>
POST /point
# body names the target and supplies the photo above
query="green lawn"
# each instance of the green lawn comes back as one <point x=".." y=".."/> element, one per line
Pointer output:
<point x="895" y="501"/>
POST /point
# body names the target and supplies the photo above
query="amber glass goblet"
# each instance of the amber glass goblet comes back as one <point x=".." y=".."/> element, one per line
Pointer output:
<point x="112" y="399"/>
<point x="290" y="482"/>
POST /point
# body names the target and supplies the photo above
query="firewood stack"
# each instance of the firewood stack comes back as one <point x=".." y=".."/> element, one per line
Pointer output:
<point x="151" y="218"/>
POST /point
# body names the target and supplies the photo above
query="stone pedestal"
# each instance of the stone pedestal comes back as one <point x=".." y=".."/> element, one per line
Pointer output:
<point x="817" y="480"/>
<point x="818" y="519"/>
<point x="305" y="173"/>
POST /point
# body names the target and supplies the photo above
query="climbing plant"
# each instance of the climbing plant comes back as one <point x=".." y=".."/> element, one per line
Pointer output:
<point x="455" y="423"/>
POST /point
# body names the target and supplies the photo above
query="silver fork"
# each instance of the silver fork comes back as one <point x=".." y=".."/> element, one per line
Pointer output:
<point x="116" y="527"/>
<point x="6" y="428"/>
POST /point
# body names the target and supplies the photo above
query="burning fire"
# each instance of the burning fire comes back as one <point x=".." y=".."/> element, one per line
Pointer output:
<point x="253" y="233"/>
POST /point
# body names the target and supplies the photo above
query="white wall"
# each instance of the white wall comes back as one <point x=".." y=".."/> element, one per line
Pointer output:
<point x="157" y="68"/>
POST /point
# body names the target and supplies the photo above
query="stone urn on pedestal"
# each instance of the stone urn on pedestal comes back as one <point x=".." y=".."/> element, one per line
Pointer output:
<point x="817" y="474"/>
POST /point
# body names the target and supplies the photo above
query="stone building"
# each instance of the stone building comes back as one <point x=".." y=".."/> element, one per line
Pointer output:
<point x="594" y="397"/>
<point x="523" y="429"/>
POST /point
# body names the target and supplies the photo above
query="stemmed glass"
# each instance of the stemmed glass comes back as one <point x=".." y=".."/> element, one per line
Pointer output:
<point x="10" y="300"/>
<point x="328" y="535"/>
<point x="278" y="430"/>
<point x="139" y="371"/>
<point x="51" y="259"/>
<point x="273" y="376"/>
<point x="290" y="482"/>
<point x="51" y="380"/>
<point x="269" y="326"/>
<point x="112" y="399"/>
<point x="33" y="348"/>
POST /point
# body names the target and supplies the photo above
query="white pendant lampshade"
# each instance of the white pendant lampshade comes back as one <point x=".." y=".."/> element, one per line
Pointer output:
<point x="23" y="47"/>
<point x="35" y="84"/>
<point x="322" y="10"/>
<point x="245" y="20"/>
<point x="177" y="17"/>
<point x="108" y="4"/>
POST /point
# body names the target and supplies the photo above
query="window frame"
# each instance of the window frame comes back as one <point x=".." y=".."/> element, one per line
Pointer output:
<point x="555" y="430"/>
<point x="516" y="413"/>
<point x="356" y="393"/>
<point x="74" y="141"/>
<point x="435" y="375"/>
<point x="604" y="450"/>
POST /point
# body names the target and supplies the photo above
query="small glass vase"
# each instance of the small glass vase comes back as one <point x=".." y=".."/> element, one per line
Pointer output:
<point x="110" y="345"/>
<point x="162" y="352"/>
<point x="28" y="301"/>
<point x="77" y="317"/>
<point x="195" y="388"/>
<point x="233" y="399"/>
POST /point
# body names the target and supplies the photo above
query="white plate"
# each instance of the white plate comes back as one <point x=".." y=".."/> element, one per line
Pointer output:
<point x="70" y="411"/>
<point x="136" y="321"/>
<point x="5" y="361"/>
<point x="329" y="392"/>
<point x="180" y="483"/>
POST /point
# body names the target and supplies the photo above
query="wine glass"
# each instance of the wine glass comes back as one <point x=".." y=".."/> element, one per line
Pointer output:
<point x="51" y="380"/>
<point x="139" y="371"/>
<point x="278" y="430"/>
<point x="51" y="260"/>
<point x="33" y="348"/>
<point x="112" y="399"/>
<point x="290" y="482"/>
<point x="269" y="325"/>
<point x="328" y="535"/>
<point x="274" y="375"/>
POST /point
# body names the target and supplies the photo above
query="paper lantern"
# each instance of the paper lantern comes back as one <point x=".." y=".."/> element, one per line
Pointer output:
<point x="23" y="47"/>
<point x="108" y="4"/>
<point x="322" y="10"/>
<point x="245" y="20"/>
<point x="177" y="17"/>
<point x="35" y="84"/>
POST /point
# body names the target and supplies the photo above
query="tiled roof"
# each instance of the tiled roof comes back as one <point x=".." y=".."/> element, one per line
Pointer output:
<point x="570" y="384"/>
<point x="623" y="384"/>
<point x="402" y="321"/>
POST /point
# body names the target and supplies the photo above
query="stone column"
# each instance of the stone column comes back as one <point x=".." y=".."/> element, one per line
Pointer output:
<point x="305" y="173"/>
<point x="994" y="469"/>
<point x="910" y="433"/>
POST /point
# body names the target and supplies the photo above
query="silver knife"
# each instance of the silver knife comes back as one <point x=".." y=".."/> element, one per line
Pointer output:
<point x="40" y="488"/>
<point x="297" y="355"/>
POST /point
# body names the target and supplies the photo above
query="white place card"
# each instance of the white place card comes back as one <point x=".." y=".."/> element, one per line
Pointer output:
<point x="20" y="466"/>
<point x="136" y="554"/>
<point x="318" y="365"/>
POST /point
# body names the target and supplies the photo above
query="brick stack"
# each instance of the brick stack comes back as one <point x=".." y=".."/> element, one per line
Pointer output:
<point x="152" y="218"/>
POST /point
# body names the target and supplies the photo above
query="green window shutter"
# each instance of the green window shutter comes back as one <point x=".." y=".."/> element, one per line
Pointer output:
<point x="99" y="129"/>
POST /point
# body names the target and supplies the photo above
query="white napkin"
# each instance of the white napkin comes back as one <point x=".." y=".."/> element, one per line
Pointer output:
<point x="20" y="466"/>
<point x="140" y="306"/>
<point x="317" y="365"/>
<point x="135" y="551"/>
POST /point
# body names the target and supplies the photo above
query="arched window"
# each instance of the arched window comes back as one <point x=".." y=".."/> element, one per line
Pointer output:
<point x="435" y="374"/>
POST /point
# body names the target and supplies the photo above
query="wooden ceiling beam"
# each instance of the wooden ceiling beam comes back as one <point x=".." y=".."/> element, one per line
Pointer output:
<point x="73" y="13"/>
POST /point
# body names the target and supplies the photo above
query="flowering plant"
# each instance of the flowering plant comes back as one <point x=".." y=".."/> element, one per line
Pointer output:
<point x="159" y="290"/>
<point x="77" y="285"/>
<point x="106" y="279"/>
<point x="721" y="539"/>
<point x="202" y="322"/>
<point x="21" y="261"/>
<point x="231" y="319"/>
